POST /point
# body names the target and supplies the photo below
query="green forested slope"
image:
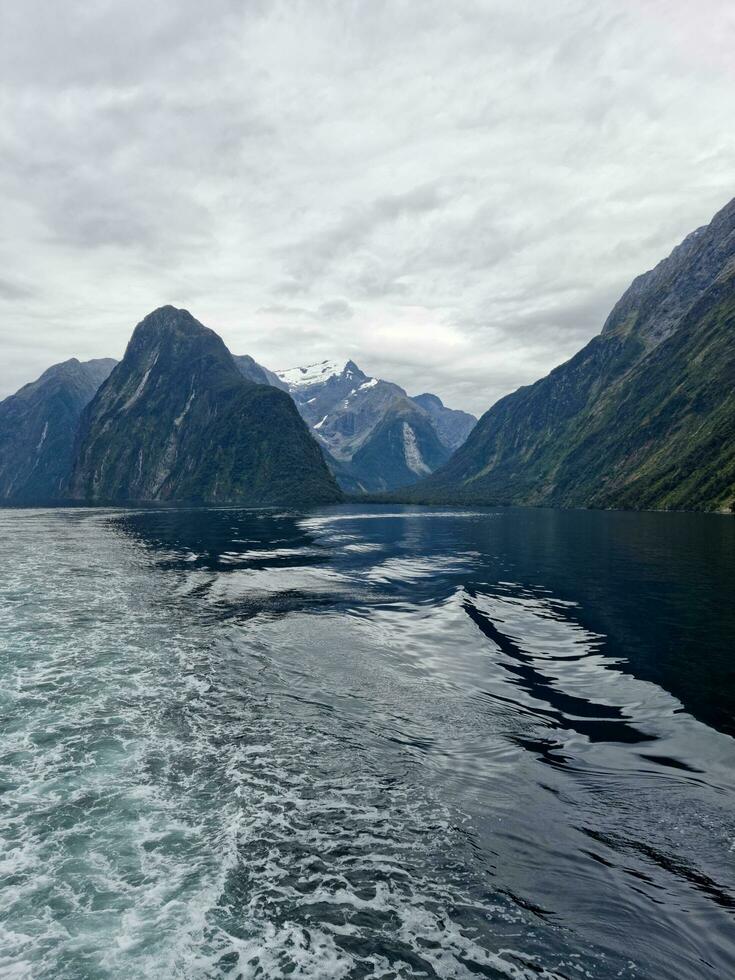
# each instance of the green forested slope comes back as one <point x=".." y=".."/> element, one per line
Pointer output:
<point x="176" y="421"/>
<point x="642" y="417"/>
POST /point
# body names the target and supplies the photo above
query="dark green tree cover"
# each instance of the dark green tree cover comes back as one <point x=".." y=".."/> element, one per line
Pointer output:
<point x="642" y="417"/>
<point x="177" y="421"/>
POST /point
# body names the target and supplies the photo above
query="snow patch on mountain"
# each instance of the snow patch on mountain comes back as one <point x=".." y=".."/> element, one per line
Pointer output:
<point x="311" y="374"/>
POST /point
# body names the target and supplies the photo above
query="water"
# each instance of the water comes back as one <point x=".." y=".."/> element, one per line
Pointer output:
<point x="366" y="742"/>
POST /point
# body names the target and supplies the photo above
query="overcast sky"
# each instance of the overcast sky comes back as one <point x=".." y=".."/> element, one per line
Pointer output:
<point x="451" y="193"/>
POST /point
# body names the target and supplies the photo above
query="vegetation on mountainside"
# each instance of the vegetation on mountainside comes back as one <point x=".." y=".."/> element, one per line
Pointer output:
<point x="176" y="421"/>
<point x="38" y="427"/>
<point x="642" y="417"/>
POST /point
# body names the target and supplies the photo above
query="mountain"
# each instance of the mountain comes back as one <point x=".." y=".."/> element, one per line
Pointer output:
<point x="451" y="425"/>
<point x="341" y="405"/>
<point x="402" y="448"/>
<point x="374" y="436"/>
<point x="177" y="421"/>
<point x="655" y="302"/>
<point x="38" y="426"/>
<point x="642" y="417"/>
<point x="250" y="369"/>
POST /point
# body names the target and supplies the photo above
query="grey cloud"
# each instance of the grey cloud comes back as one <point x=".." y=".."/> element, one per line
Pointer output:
<point x="335" y="309"/>
<point x="377" y="283"/>
<point x="288" y="287"/>
<point x="452" y="194"/>
<point x="103" y="42"/>
<point x="283" y="309"/>
<point x="12" y="290"/>
<point x="311" y="256"/>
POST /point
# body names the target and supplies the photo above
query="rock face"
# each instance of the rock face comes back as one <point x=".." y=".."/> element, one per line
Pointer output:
<point x="451" y="425"/>
<point x="642" y="417"/>
<point x="38" y="427"/>
<point x="177" y="421"/>
<point x="375" y="437"/>
<point x="401" y="449"/>
<point x="655" y="302"/>
<point x="250" y="369"/>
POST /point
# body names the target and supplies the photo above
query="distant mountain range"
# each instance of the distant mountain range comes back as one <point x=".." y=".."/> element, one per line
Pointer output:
<point x="180" y="418"/>
<point x="642" y="417"/>
<point x="375" y="437"/>
<point x="175" y="420"/>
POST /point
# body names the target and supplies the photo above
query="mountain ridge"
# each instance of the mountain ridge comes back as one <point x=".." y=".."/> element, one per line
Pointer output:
<point x="542" y="444"/>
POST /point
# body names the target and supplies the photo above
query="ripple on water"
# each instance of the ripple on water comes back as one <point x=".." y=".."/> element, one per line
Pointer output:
<point x="162" y="819"/>
<point x="253" y="745"/>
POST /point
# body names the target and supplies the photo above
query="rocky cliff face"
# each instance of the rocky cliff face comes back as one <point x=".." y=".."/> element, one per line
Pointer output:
<point x="177" y="421"/>
<point x="38" y="427"/>
<point x="655" y="302"/>
<point x="643" y="416"/>
<point x="665" y="439"/>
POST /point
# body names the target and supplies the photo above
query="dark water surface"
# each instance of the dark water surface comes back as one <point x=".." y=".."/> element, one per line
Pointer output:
<point x="367" y="742"/>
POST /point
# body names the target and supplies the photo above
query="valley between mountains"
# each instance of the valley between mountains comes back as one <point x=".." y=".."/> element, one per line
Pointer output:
<point x="643" y="417"/>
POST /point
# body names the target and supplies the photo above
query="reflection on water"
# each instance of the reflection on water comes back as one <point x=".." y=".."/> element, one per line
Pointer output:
<point x="366" y="742"/>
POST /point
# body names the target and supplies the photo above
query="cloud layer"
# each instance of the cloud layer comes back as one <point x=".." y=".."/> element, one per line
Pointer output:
<point x="451" y="194"/>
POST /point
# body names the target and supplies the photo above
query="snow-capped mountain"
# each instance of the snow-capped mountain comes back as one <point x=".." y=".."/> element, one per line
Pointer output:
<point x="374" y="435"/>
<point x="312" y="374"/>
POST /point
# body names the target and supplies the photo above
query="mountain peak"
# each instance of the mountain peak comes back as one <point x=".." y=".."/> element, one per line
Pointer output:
<point x="74" y="371"/>
<point x="57" y="370"/>
<point x="177" y="421"/>
<point x="167" y="320"/>
<point x="169" y="336"/>
<point x="427" y="399"/>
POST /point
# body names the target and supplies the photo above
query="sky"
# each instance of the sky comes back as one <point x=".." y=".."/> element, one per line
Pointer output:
<point x="451" y="194"/>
